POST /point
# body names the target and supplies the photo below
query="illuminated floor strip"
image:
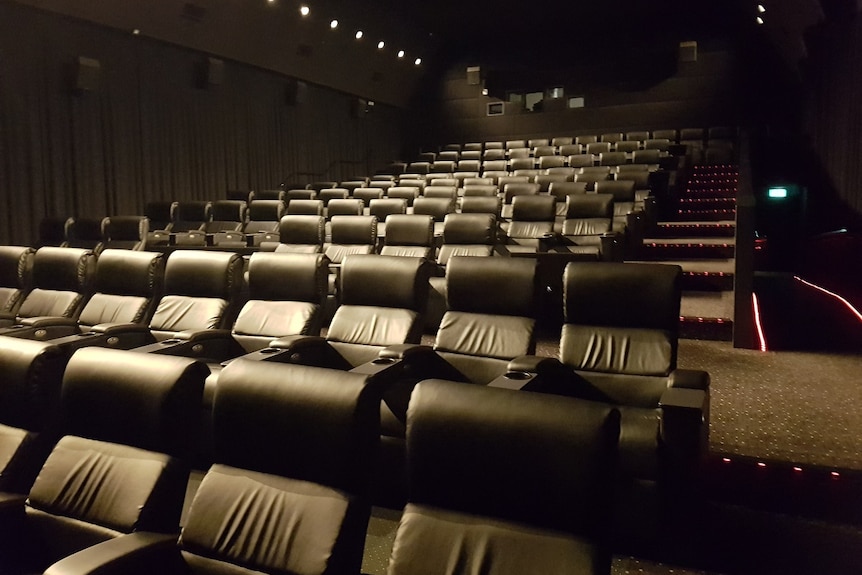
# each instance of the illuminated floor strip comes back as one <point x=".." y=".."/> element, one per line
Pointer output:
<point x="835" y="295"/>
<point x="756" y="305"/>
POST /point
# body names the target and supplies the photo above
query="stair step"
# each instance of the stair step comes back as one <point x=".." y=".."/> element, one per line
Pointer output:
<point x="658" y="250"/>
<point x="707" y="328"/>
<point x="709" y="203"/>
<point x="689" y="229"/>
<point x="716" y="191"/>
<point x="707" y="281"/>
<point x="715" y="214"/>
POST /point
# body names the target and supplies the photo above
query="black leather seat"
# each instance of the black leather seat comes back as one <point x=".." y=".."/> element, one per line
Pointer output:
<point x="410" y="235"/>
<point x="62" y="283"/>
<point x="125" y="232"/>
<point x="300" y="234"/>
<point x="288" y="491"/>
<point x="128" y="285"/>
<point x="514" y="483"/>
<point x="117" y="477"/>
<point x="587" y="230"/>
<point x="16" y="275"/>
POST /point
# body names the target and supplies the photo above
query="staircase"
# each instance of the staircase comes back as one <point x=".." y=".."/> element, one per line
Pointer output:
<point x="699" y="236"/>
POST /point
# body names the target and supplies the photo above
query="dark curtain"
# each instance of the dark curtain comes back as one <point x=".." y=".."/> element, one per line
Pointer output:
<point x="152" y="128"/>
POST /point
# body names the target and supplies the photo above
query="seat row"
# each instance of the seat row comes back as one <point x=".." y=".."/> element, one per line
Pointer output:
<point x="546" y="151"/>
<point x="486" y="338"/>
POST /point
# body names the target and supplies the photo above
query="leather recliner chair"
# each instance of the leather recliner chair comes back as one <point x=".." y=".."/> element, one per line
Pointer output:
<point x="62" y="283"/>
<point x="516" y="483"/>
<point x="16" y="270"/>
<point x="116" y="479"/>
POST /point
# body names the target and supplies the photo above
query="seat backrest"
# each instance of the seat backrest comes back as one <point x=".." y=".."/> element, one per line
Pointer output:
<point x="621" y="190"/>
<point x="437" y="208"/>
<point x="128" y="285"/>
<point x="651" y="156"/>
<point x="662" y="144"/>
<point x="85" y="233"/>
<point x="300" y="194"/>
<point x="190" y="216"/>
<point x="627" y="146"/>
<point x="512" y="189"/>
<point x="637" y="135"/>
<point x="571" y="149"/>
<point x="598" y="147"/>
<point x="384" y="207"/>
<point x="545" y="180"/>
<point x="62" y="283"/>
<point x="586" y="139"/>
<point x="529" y="486"/>
<point x="345" y="207"/>
<point x="125" y="232"/>
<point x="482" y="205"/>
<point x="367" y="194"/>
<point x="612" y="137"/>
<point x="560" y="190"/>
<point x="408" y="193"/>
<point x="277" y="194"/>
<point x="263" y="216"/>
<point x="351" y="235"/>
<point x="546" y="162"/>
<point x="621" y="317"/>
<point x="480" y="190"/>
<point x="119" y="467"/>
<point x="300" y="464"/>
<point x="612" y="158"/>
<point x="201" y="292"/>
<point x="490" y="314"/>
<point x="588" y="214"/>
<point x="160" y="213"/>
<point x="580" y="160"/>
<point x="16" y="275"/>
<point x="516" y="144"/>
<point x="532" y="214"/>
<point x="227" y="216"/>
<point x="286" y="292"/>
<point x="330" y="194"/>
<point x="562" y="140"/>
<point x="467" y="234"/>
<point x="409" y="235"/>
<point x="665" y="134"/>
<point x="383" y="299"/>
<point x="304" y="207"/>
<point x="301" y="234"/>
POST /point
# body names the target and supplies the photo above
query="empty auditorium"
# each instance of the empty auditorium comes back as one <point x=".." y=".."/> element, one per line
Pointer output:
<point x="378" y="287"/>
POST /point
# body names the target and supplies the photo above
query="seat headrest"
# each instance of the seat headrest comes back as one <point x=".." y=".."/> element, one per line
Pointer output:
<point x="265" y="210"/>
<point x="409" y="230"/>
<point x="64" y="269"/>
<point x="16" y="265"/>
<point x="385" y="281"/>
<point x="160" y="211"/>
<point x="143" y="400"/>
<point x="349" y="230"/>
<point x="590" y="206"/>
<point x="303" y="207"/>
<point x="477" y="228"/>
<point x="200" y="273"/>
<point x="561" y="190"/>
<point x="30" y="386"/>
<point x="126" y="272"/>
<point x="315" y="424"/>
<point x="302" y="229"/>
<point x="228" y="211"/>
<point x="622" y="295"/>
<point x="494" y="285"/>
<point x="438" y="208"/>
<point x="383" y="207"/>
<point x="525" y="457"/>
<point x="514" y="189"/>
<point x="622" y="190"/>
<point x="481" y="205"/>
<point x="534" y="208"/>
<point x="288" y="276"/>
<point x="85" y="229"/>
<point x="125" y="228"/>
<point x="345" y="207"/>
<point x="194" y="211"/>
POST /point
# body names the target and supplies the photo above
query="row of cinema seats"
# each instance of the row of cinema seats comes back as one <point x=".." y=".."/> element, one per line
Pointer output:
<point x="618" y="346"/>
<point x="288" y="491"/>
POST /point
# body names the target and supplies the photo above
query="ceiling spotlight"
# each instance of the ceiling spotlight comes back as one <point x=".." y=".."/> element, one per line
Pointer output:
<point x="270" y="1"/>
<point x="333" y="24"/>
<point x="304" y="10"/>
<point x="136" y="31"/>
<point x="761" y="8"/>
<point x="759" y="20"/>
<point x="484" y="91"/>
<point x="359" y="34"/>
<point x="400" y="53"/>
<point x="417" y="61"/>
<point x="381" y="44"/>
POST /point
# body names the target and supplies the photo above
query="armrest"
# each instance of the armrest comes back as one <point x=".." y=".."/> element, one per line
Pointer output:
<point x="534" y="364"/>
<point x="116" y="328"/>
<point x="683" y="426"/>
<point x="196" y="335"/>
<point x="689" y="379"/>
<point x="47" y="321"/>
<point x="405" y="351"/>
<point x="140" y="552"/>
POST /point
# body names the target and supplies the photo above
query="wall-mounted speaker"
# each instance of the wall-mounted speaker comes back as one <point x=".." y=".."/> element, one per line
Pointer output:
<point x="474" y="75"/>
<point x="86" y="74"/>
<point x="688" y="51"/>
<point x="295" y="92"/>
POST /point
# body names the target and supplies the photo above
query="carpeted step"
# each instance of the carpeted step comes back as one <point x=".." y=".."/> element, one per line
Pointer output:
<point x="688" y="214"/>
<point x="694" y="229"/>
<point x="686" y="248"/>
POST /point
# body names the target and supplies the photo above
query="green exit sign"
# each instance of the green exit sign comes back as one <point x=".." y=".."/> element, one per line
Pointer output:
<point x="777" y="193"/>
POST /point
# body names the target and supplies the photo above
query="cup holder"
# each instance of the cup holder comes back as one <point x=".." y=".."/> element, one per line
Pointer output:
<point x="170" y="341"/>
<point x="383" y="361"/>
<point x="517" y="375"/>
<point x="86" y="334"/>
<point x="269" y="350"/>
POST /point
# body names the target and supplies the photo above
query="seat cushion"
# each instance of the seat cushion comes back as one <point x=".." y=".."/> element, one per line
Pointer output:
<point x="275" y="318"/>
<point x="109" y="308"/>
<point x="266" y="523"/>
<point x="616" y="350"/>
<point x="502" y="337"/>
<point x="390" y="326"/>
<point x="432" y="541"/>
<point x="179" y="313"/>
<point x="50" y="303"/>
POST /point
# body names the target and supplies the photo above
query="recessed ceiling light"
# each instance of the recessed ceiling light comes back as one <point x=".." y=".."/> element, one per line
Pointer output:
<point x="333" y="24"/>
<point x="761" y="8"/>
<point x="136" y="31"/>
<point x="359" y="34"/>
<point x="400" y="53"/>
<point x="417" y="61"/>
<point x="381" y="44"/>
<point x="304" y="10"/>
<point x="759" y="20"/>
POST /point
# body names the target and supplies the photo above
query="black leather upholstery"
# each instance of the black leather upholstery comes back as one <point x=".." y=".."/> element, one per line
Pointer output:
<point x="112" y="473"/>
<point x="125" y="232"/>
<point x="301" y="234"/>
<point x="288" y="491"/>
<point x="409" y="235"/>
<point x="16" y="268"/>
<point x="527" y="490"/>
<point x="62" y="282"/>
